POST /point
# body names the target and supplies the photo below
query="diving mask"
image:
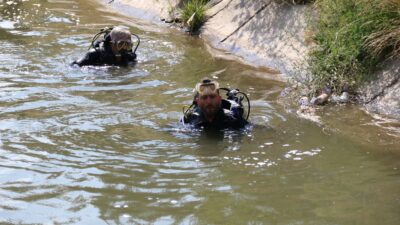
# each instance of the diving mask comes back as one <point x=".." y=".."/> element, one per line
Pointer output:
<point x="207" y="87"/>
<point x="122" y="45"/>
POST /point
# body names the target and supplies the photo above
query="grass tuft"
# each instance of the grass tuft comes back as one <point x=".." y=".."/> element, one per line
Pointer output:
<point x="193" y="14"/>
<point x="353" y="38"/>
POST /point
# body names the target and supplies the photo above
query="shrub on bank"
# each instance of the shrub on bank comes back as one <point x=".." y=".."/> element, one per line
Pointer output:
<point x="193" y="13"/>
<point x="353" y="38"/>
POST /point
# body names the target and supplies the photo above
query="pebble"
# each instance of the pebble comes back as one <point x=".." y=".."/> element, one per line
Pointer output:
<point x="344" y="97"/>
<point x="320" y="100"/>
<point x="304" y="101"/>
<point x="335" y="98"/>
<point x="285" y="92"/>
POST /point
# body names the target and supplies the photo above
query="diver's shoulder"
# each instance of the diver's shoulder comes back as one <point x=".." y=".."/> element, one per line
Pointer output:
<point x="229" y="115"/>
<point x="191" y="116"/>
<point x="131" y="56"/>
<point x="93" y="53"/>
<point x="234" y="121"/>
<point x="227" y="112"/>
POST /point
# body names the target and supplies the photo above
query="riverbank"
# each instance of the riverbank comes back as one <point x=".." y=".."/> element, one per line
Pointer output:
<point x="243" y="30"/>
<point x="267" y="34"/>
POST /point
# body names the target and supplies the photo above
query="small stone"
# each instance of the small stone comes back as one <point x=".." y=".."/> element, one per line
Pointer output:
<point x="335" y="98"/>
<point x="344" y="97"/>
<point x="313" y="100"/>
<point x="285" y="92"/>
<point x="304" y="101"/>
<point x="320" y="100"/>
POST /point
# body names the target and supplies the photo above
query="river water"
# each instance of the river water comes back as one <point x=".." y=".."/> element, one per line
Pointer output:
<point x="103" y="146"/>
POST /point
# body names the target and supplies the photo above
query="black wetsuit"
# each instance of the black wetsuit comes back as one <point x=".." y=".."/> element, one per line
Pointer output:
<point x="223" y="119"/>
<point x="104" y="56"/>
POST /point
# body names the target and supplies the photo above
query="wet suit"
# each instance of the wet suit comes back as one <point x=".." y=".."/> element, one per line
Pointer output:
<point x="222" y="120"/>
<point x="104" y="56"/>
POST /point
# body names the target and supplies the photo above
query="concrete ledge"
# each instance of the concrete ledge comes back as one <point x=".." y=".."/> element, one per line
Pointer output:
<point x="382" y="95"/>
<point x="150" y="10"/>
<point x="262" y="32"/>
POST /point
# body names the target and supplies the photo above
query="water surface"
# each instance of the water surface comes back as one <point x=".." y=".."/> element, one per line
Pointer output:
<point x="103" y="146"/>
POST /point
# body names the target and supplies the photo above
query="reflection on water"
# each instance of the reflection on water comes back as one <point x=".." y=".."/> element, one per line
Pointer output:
<point x="102" y="145"/>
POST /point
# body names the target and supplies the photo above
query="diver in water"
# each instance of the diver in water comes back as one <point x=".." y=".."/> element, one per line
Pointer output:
<point x="115" y="48"/>
<point x="210" y="111"/>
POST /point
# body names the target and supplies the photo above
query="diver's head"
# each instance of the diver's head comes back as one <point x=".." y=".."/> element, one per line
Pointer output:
<point x="120" y="40"/>
<point x="208" y="98"/>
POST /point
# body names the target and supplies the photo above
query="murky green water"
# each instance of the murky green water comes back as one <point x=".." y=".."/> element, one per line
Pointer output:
<point x="102" y="145"/>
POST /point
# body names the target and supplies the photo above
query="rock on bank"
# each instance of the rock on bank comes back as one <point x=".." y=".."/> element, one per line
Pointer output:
<point x="382" y="95"/>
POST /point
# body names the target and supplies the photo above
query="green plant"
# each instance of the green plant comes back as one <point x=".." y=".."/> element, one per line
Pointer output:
<point x="385" y="41"/>
<point x="353" y="38"/>
<point x="193" y="13"/>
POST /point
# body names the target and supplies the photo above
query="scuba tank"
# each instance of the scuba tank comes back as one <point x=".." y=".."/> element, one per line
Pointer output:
<point x="98" y="42"/>
<point x="234" y="103"/>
